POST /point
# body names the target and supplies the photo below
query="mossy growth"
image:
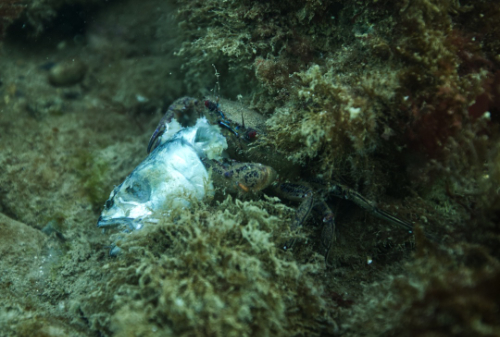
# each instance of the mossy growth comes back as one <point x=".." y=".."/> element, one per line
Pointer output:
<point x="216" y="272"/>
<point x="320" y="67"/>
<point x="91" y="172"/>
<point x="233" y="34"/>
<point x="352" y="83"/>
<point x="335" y="121"/>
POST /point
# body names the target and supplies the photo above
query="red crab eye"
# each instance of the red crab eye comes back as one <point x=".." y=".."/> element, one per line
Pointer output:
<point x="211" y="105"/>
<point x="252" y="134"/>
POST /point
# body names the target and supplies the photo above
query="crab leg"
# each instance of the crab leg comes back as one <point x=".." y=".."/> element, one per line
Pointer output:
<point x="328" y="231"/>
<point x="306" y="196"/>
<point x="345" y="192"/>
<point x="298" y="193"/>
<point x="246" y="177"/>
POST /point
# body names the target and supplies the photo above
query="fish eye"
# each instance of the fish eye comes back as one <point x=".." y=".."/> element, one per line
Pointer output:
<point x="109" y="203"/>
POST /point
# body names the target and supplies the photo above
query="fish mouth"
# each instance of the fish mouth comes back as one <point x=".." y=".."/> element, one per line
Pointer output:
<point x="105" y="222"/>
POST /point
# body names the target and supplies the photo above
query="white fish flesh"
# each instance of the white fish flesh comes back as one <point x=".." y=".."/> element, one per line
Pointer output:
<point x="169" y="178"/>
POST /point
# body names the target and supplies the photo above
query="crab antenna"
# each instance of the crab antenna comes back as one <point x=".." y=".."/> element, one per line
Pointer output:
<point x="242" y="120"/>
<point x="217" y="88"/>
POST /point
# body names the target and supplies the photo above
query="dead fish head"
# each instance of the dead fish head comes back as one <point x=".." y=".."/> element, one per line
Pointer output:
<point x="127" y="203"/>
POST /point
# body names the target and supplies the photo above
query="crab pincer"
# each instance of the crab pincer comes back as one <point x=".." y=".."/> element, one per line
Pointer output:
<point x="185" y="110"/>
<point x="160" y="130"/>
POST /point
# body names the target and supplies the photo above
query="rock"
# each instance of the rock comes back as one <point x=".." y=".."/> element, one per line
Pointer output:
<point x="67" y="73"/>
<point x="18" y="241"/>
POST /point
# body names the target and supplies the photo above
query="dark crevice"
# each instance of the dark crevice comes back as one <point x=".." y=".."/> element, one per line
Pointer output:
<point x="70" y="23"/>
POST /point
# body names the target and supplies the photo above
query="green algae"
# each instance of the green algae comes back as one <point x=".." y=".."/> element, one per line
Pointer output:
<point x="92" y="173"/>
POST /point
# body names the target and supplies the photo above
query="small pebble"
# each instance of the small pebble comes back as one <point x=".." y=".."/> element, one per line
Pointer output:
<point x="67" y="73"/>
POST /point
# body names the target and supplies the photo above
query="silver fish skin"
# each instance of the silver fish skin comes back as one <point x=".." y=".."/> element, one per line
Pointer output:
<point x="169" y="178"/>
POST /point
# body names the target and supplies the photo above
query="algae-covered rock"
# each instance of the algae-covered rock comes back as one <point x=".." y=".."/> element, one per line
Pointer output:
<point x="442" y="293"/>
<point x="25" y="270"/>
<point x="218" y="271"/>
<point x="18" y="242"/>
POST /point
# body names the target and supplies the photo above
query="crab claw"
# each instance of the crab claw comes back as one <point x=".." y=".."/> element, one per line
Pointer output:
<point x="160" y="129"/>
<point x="185" y="110"/>
<point x="153" y="141"/>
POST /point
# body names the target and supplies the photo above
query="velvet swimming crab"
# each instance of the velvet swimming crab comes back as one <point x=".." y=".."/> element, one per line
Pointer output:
<point x="196" y="136"/>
